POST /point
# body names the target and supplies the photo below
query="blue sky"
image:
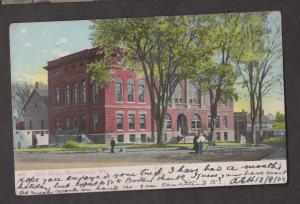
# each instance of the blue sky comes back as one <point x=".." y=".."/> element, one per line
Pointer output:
<point x="34" y="44"/>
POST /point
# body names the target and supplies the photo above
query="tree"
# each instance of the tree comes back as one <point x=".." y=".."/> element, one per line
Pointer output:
<point x="21" y="92"/>
<point x="268" y="78"/>
<point x="280" y="117"/>
<point x="255" y="64"/>
<point x="216" y="75"/>
<point x="160" y="47"/>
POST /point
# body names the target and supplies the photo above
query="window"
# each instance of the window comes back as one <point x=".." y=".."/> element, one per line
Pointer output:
<point x="75" y="93"/>
<point x="35" y="104"/>
<point x="142" y="91"/>
<point x="83" y="92"/>
<point x="119" y="121"/>
<point x="82" y="123"/>
<point x="74" y="122"/>
<point x="30" y="125"/>
<point x="130" y="90"/>
<point x="42" y="133"/>
<point x="120" y="138"/>
<point x="218" y="136"/>
<point x="67" y="123"/>
<point x="95" y="92"/>
<point x="168" y="122"/>
<point x="196" y="122"/>
<point x="142" y="121"/>
<point x="178" y="94"/>
<point x="95" y="122"/>
<point x="225" y="136"/>
<point x="132" y="138"/>
<point x="218" y="122"/>
<point x="56" y="123"/>
<point x="42" y="124"/>
<point x="209" y="121"/>
<point x="225" y="121"/>
<point x="67" y="94"/>
<point x="193" y="94"/>
<point x="143" y="138"/>
<point x="131" y="121"/>
<point x="118" y="90"/>
<point x="56" y="95"/>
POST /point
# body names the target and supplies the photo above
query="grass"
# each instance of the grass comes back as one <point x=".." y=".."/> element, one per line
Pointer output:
<point x="275" y="141"/>
<point x="278" y="126"/>
<point x="86" y="147"/>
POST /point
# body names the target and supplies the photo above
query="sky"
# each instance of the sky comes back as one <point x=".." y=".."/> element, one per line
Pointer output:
<point x="32" y="45"/>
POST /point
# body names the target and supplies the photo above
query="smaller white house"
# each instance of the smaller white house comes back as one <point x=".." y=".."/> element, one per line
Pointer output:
<point x="25" y="138"/>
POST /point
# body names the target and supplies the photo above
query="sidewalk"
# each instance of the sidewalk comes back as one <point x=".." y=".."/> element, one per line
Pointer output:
<point x="124" y="149"/>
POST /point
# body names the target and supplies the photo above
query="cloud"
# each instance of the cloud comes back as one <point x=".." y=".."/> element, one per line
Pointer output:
<point x="28" y="44"/>
<point x="60" y="42"/>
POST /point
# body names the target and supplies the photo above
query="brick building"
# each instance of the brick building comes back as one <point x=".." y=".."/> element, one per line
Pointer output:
<point x="122" y="108"/>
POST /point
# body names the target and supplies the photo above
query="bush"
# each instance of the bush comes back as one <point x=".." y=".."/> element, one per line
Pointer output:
<point x="275" y="141"/>
<point x="71" y="144"/>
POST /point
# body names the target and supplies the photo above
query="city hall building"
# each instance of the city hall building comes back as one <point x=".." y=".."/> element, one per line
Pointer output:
<point x="121" y="109"/>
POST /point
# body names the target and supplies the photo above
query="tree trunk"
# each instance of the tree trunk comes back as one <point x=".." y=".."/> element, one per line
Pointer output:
<point x="161" y="129"/>
<point x="260" y="115"/>
<point x="213" y="114"/>
<point x="253" y="132"/>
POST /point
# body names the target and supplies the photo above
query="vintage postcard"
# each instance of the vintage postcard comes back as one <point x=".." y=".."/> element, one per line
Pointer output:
<point x="148" y="103"/>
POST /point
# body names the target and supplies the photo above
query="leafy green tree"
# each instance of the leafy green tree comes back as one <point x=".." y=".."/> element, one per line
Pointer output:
<point x="20" y="93"/>
<point x="161" y="48"/>
<point x="216" y="75"/>
<point x="280" y="117"/>
<point x="256" y="63"/>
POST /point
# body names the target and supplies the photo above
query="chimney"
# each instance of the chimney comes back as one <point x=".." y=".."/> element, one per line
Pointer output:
<point x="36" y="85"/>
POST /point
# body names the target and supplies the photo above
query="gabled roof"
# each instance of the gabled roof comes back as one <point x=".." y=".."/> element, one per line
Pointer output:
<point x="42" y="92"/>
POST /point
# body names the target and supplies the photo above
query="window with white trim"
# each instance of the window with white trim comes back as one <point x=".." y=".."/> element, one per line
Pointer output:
<point x="118" y="90"/>
<point x="130" y="90"/>
<point x="196" y="122"/>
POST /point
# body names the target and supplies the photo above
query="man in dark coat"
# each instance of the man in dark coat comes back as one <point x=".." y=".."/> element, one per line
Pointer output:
<point x="195" y="143"/>
<point x="112" y="145"/>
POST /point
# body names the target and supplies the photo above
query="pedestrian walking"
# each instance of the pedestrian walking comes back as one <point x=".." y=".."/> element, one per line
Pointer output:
<point x="195" y="144"/>
<point x="112" y="145"/>
<point x="201" y="141"/>
<point x="19" y="144"/>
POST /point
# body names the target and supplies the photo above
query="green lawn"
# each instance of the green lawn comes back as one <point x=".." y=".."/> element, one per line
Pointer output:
<point x="278" y="126"/>
<point x="84" y="147"/>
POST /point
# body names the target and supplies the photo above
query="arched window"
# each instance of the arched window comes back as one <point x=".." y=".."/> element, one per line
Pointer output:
<point x="196" y="122"/>
<point x="178" y="94"/>
<point x="67" y="94"/>
<point x="193" y="94"/>
<point x="56" y="124"/>
<point x="82" y="123"/>
<point x="118" y="90"/>
<point x="67" y="123"/>
<point x="142" y="91"/>
<point x="95" y="92"/>
<point x="56" y="95"/>
<point x="83" y="92"/>
<point x="75" y="93"/>
<point x="168" y="122"/>
<point x="95" y="122"/>
<point x="130" y="90"/>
